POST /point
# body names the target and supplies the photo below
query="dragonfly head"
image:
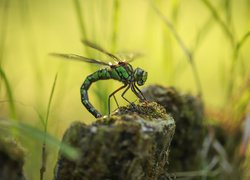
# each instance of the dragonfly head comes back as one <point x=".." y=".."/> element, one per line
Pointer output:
<point x="140" y="76"/>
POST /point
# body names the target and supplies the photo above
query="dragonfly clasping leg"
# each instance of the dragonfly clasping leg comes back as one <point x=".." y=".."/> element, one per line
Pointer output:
<point x="113" y="94"/>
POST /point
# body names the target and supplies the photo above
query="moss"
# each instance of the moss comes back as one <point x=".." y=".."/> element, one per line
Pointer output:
<point x="187" y="112"/>
<point x="146" y="109"/>
<point x="130" y="144"/>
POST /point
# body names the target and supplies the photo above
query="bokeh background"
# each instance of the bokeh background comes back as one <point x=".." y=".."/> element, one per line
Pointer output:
<point x="166" y="32"/>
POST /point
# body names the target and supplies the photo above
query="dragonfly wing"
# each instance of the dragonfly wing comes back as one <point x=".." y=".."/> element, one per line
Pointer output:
<point x="129" y="57"/>
<point x="100" y="49"/>
<point x="79" y="58"/>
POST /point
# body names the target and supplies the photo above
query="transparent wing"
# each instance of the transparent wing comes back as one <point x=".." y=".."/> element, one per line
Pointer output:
<point x="129" y="56"/>
<point x="99" y="48"/>
<point x="79" y="58"/>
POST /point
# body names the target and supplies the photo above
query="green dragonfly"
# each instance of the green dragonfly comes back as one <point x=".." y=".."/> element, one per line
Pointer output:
<point x="120" y="70"/>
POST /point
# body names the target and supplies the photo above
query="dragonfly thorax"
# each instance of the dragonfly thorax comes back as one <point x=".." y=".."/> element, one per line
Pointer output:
<point x="140" y="76"/>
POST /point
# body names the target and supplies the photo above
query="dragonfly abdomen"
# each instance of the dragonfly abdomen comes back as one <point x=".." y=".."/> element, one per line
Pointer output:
<point x="98" y="75"/>
<point x="118" y="73"/>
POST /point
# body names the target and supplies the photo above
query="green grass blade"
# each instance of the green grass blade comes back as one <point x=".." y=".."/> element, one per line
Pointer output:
<point x="203" y="31"/>
<point x="4" y="27"/>
<point x="228" y="9"/>
<point x="9" y="93"/>
<point x="3" y="35"/>
<point x="216" y="16"/>
<point x="234" y="62"/>
<point x="181" y="43"/>
<point x="28" y="28"/>
<point x="40" y="116"/>
<point x="241" y="43"/>
<point x="36" y="134"/>
<point x="100" y="90"/>
<point x="43" y="166"/>
<point x="241" y="101"/>
<point x="81" y="23"/>
<point x="49" y="103"/>
<point x="116" y="11"/>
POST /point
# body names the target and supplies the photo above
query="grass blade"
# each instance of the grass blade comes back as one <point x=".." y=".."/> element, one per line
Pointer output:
<point x="43" y="166"/>
<point x="216" y="16"/>
<point x="240" y="44"/>
<point x="40" y="116"/>
<point x="115" y="24"/>
<point x="80" y="19"/>
<point x="234" y="63"/>
<point x="36" y="134"/>
<point x="3" y="34"/>
<point x="49" y="103"/>
<point x="4" y="27"/>
<point x="183" y="47"/>
<point x="9" y="93"/>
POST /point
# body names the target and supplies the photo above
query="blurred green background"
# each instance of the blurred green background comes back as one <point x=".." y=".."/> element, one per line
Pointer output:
<point x="215" y="32"/>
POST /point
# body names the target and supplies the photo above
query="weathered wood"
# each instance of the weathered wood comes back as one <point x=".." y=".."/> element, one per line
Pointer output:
<point x="187" y="111"/>
<point x="133" y="143"/>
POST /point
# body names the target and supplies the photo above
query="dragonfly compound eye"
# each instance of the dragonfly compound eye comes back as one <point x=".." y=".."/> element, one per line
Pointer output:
<point x="140" y="76"/>
<point x="144" y="76"/>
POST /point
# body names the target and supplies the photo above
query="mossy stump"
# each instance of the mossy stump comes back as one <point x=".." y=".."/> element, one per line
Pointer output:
<point x="188" y="113"/>
<point x="11" y="160"/>
<point x="133" y="143"/>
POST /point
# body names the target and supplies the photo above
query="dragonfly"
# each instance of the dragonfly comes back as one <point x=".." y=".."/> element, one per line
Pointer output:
<point x="120" y="70"/>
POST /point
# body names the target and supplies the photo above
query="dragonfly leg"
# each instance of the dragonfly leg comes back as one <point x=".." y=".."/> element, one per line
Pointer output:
<point x="124" y="94"/>
<point x="135" y="92"/>
<point x="116" y="101"/>
<point x="143" y="98"/>
<point x="113" y="94"/>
